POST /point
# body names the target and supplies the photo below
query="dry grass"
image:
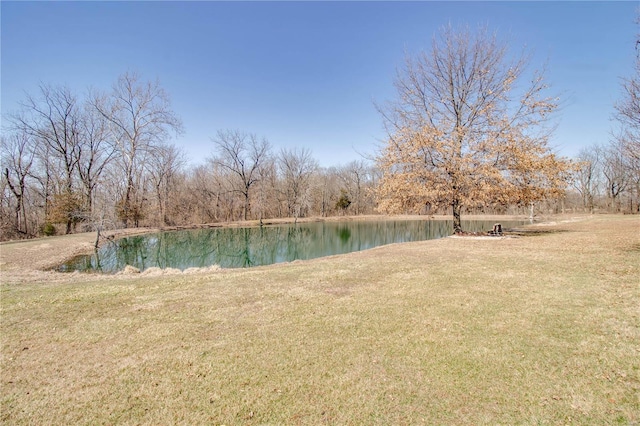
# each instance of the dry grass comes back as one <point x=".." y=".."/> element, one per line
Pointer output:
<point x="533" y="330"/>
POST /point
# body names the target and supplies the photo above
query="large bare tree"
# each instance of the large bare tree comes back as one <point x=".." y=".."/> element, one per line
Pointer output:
<point x="627" y="137"/>
<point x="240" y="156"/>
<point x="462" y="133"/>
<point x="53" y="120"/>
<point x="140" y="118"/>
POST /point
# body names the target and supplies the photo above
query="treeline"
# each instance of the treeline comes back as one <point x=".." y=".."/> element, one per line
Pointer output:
<point x="607" y="178"/>
<point x="608" y="175"/>
<point x="105" y="160"/>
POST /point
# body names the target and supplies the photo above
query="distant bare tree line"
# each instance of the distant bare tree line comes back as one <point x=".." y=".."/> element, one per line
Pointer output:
<point x="607" y="180"/>
<point x="106" y="160"/>
<point x="608" y="177"/>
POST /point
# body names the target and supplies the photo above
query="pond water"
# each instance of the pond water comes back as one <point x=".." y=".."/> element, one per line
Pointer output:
<point x="246" y="247"/>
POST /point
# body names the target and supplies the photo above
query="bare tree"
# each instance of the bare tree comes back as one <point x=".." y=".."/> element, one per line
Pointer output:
<point x="325" y="190"/>
<point x="164" y="165"/>
<point x="460" y="133"/>
<point x="140" y="117"/>
<point x="356" y="182"/>
<point x="94" y="153"/>
<point x="241" y="155"/>
<point x="204" y="194"/>
<point x="587" y="175"/>
<point x="628" y="113"/>
<point x="627" y="136"/>
<point x="266" y="188"/>
<point x="18" y="158"/>
<point x="616" y="173"/>
<point x="53" y="119"/>
<point x="296" y="167"/>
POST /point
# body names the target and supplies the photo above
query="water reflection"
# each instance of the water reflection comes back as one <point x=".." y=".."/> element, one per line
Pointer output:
<point x="246" y="247"/>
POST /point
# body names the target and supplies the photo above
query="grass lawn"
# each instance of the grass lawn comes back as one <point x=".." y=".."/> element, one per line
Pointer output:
<point x="540" y="329"/>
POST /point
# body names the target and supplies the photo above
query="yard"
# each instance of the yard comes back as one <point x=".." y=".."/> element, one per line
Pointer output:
<point x="536" y="329"/>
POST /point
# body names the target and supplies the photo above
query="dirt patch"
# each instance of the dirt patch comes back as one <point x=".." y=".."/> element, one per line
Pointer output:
<point x="31" y="260"/>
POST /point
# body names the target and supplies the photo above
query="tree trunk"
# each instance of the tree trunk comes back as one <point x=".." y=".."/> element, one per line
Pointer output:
<point x="24" y="216"/>
<point x="246" y="205"/>
<point x="18" y="225"/>
<point x="125" y="206"/>
<point x="457" y="223"/>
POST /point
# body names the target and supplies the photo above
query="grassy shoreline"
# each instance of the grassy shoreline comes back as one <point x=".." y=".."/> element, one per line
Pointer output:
<point x="542" y="329"/>
<point x="33" y="259"/>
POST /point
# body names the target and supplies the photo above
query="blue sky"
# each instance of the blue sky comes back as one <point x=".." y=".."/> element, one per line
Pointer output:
<point x="307" y="73"/>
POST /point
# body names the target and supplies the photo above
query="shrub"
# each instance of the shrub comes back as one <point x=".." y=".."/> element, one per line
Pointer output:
<point x="48" y="229"/>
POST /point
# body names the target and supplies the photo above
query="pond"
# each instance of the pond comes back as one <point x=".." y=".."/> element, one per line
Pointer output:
<point x="246" y="247"/>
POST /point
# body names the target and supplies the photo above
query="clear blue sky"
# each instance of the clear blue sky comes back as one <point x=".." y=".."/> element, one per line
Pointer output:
<point x="306" y="73"/>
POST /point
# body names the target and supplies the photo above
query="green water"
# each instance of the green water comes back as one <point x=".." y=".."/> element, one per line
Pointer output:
<point x="246" y="247"/>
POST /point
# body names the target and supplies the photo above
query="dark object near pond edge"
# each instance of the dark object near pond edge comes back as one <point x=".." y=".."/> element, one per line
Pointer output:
<point x="495" y="232"/>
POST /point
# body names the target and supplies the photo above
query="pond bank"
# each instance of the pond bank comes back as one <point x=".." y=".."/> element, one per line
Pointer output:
<point x="31" y="259"/>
